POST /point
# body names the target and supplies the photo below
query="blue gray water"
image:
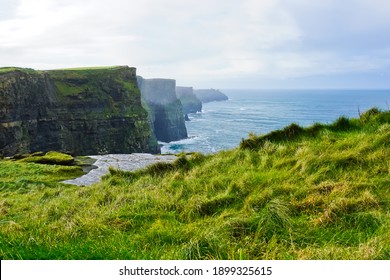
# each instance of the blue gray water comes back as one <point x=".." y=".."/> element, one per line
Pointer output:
<point x="222" y="125"/>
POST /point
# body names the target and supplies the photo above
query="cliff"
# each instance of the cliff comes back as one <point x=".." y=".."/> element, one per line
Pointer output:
<point x="164" y="108"/>
<point x="79" y="111"/>
<point x="191" y="104"/>
<point x="210" y="95"/>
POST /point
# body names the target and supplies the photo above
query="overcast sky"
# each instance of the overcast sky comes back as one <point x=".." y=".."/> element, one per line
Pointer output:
<point x="207" y="43"/>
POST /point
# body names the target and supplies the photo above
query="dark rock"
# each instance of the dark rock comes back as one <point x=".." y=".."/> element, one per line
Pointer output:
<point x="37" y="154"/>
<point x="19" y="156"/>
<point x="186" y="118"/>
<point x="164" y="108"/>
<point x="80" y="111"/>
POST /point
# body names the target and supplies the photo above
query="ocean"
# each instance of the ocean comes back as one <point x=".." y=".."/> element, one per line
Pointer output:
<point x="222" y="125"/>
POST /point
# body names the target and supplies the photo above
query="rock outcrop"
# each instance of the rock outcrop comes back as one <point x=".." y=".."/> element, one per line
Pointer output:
<point x="191" y="104"/>
<point x="165" y="110"/>
<point x="210" y="95"/>
<point x="79" y="111"/>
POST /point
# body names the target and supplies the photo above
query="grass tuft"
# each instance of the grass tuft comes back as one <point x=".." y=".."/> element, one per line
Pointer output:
<point x="51" y="157"/>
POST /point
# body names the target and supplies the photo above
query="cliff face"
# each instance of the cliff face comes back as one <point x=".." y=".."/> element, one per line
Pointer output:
<point x="164" y="108"/>
<point x="80" y="111"/>
<point x="191" y="104"/>
<point x="209" y="95"/>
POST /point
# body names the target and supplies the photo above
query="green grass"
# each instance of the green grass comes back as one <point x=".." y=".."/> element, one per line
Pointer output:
<point x="104" y="87"/>
<point x="21" y="176"/>
<point x="12" y="69"/>
<point x="320" y="192"/>
<point x="90" y="68"/>
<point x="70" y="90"/>
<point x="49" y="158"/>
<point x="86" y="70"/>
<point x="81" y="72"/>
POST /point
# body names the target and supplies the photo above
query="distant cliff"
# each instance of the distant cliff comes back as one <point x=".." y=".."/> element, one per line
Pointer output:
<point x="80" y="111"/>
<point x="209" y="95"/>
<point x="165" y="110"/>
<point x="191" y="104"/>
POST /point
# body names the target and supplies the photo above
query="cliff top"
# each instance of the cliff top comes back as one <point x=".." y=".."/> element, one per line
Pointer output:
<point x="89" y="110"/>
<point x="4" y="70"/>
<point x="95" y="68"/>
<point x="78" y="69"/>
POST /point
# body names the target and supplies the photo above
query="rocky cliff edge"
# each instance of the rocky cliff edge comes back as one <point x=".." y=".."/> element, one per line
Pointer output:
<point x="165" y="110"/>
<point x="80" y="111"/>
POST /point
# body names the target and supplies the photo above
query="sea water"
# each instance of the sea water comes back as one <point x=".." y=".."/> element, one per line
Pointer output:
<point x="222" y="125"/>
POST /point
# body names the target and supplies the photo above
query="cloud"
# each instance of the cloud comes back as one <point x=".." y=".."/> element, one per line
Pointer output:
<point x="201" y="42"/>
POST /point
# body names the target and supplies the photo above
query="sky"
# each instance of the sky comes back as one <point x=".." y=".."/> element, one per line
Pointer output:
<point x="207" y="43"/>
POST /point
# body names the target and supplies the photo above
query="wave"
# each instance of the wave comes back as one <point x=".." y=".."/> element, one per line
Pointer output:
<point x="192" y="144"/>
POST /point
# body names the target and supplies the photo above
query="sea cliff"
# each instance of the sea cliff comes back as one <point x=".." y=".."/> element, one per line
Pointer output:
<point x="165" y="110"/>
<point x="80" y="111"/>
<point x="191" y="104"/>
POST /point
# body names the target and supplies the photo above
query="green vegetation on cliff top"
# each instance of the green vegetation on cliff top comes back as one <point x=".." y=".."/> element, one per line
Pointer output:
<point x="12" y="69"/>
<point x="121" y="95"/>
<point x="320" y="192"/>
<point x="86" y="69"/>
<point x="64" y="73"/>
<point x="105" y="102"/>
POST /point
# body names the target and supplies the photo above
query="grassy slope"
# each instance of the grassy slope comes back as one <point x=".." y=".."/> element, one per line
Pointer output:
<point x="315" y="193"/>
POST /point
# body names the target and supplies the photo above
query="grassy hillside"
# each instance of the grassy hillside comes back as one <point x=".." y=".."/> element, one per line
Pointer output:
<point x="321" y="192"/>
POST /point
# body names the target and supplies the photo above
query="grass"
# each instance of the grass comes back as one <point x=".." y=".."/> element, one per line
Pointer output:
<point x="103" y="87"/>
<point x="21" y="177"/>
<point x="82" y="72"/>
<point x="30" y="70"/>
<point x="49" y="158"/>
<point x="91" y="68"/>
<point x="320" y="192"/>
<point x="12" y="69"/>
